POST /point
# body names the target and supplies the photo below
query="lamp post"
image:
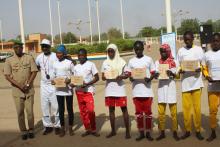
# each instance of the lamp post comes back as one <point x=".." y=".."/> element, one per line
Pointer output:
<point x="90" y="22"/>
<point x="51" y="25"/>
<point x="122" y="20"/>
<point x="58" y="6"/>
<point x="21" y="24"/>
<point x="1" y="30"/>
<point x="97" y="12"/>
<point x="168" y="16"/>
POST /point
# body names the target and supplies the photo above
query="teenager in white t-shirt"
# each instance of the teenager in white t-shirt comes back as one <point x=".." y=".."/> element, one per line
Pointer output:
<point x="211" y="72"/>
<point x="63" y="68"/>
<point x="167" y="92"/>
<point x="191" y="85"/>
<point x="115" y="94"/>
<point x="85" y="93"/>
<point x="142" y="91"/>
<point x="49" y="104"/>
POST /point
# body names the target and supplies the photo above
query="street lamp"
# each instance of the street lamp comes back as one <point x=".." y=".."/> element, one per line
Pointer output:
<point x="168" y="16"/>
<point x="78" y="27"/>
<point x="21" y="24"/>
<point x="51" y="25"/>
<point x="122" y="20"/>
<point x="1" y="34"/>
<point x="90" y="22"/>
<point x="97" y="12"/>
<point x="58" y="6"/>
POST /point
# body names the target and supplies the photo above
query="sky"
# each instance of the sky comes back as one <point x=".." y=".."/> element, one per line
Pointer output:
<point x="137" y="14"/>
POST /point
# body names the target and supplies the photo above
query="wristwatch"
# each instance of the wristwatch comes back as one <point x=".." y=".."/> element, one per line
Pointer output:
<point x="28" y="85"/>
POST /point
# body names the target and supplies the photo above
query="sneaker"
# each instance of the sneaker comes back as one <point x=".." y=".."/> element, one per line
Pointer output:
<point x="57" y="131"/>
<point x="199" y="136"/>
<point x="86" y="133"/>
<point x="162" y="136"/>
<point x="111" y="135"/>
<point x="212" y="136"/>
<point x="24" y="136"/>
<point x="31" y="135"/>
<point x="186" y="135"/>
<point x="148" y="136"/>
<point x="47" y="130"/>
<point x="141" y="136"/>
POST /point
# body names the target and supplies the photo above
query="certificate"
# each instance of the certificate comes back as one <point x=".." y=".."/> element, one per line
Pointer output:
<point x="163" y="71"/>
<point x="77" y="80"/>
<point x="190" y="65"/>
<point x="112" y="74"/>
<point x="139" y="73"/>
<point x="215" y="70"/>
<point x="60" y="82"/>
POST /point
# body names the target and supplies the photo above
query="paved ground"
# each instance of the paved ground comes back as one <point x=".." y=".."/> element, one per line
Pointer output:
<point x="9" y="133"/>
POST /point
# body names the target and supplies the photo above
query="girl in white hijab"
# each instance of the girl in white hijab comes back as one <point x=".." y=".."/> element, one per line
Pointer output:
<point x="115" y="95"/>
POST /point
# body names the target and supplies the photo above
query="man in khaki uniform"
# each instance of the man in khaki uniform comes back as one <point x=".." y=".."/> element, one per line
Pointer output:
<point x="20" y="70"/>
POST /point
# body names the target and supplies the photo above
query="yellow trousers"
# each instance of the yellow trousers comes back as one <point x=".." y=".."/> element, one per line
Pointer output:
<point x="161" y="117"/>
<point x="191" y="102"/>
<point x="214" y="99"/>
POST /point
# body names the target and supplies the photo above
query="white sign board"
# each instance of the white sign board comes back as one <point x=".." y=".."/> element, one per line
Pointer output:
<point x="170" y="39"/>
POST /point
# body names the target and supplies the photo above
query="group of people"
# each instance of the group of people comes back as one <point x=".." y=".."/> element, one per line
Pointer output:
<point x="21" y="70"/>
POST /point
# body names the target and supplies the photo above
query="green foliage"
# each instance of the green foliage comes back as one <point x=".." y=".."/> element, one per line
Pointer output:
<point x="123" y="45"/>
<point x="189" y="24"/>
<point x="114" y="33"/>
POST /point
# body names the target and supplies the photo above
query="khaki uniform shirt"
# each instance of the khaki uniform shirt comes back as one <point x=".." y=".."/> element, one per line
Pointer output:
<point x="20" y="70"/>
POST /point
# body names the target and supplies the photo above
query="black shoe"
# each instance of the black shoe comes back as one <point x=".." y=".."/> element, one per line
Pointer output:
<point x="31" y="135"/>
<point x="199" y="136"/>
<point x="86" y="133"/>
<point x="111" y="135"/>
<point x="141" y="136"/>
<point x="148" y="136"/>
<point x="212" y="136"/>
<point x="162" y="136"/>
<point x="186" y="135"/>
<point x="24" y="137"/>
<point x="57" y="131"/>
<point x="175" y="136"/>
<point x="127" y="135"/>
<point x="96" y="134"/>
<point x="47" y="130"/>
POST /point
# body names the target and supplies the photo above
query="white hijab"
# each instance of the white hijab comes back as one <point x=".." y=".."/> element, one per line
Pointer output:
<point x="117" y="63"/>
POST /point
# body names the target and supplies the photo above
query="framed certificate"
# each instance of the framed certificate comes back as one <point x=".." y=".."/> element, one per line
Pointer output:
<point x="190" y="65"/>
<point x="139" y="73"/>
<point x="77" y="80"/>
<point x="112" y="74"/>
<point x="60" y="82"/>
<point x="163" y="71"/>
<point x="214" y="70"/>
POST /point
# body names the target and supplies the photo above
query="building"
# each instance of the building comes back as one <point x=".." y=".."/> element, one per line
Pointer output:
<point x="31" y="45"/>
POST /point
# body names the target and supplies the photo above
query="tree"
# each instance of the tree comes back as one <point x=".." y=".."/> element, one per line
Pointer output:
<point x="127" y="35"/>
<point x="189" y="24"/>
<point x="114" y="33"/>
<point x="148" y="32"/>
<point x="69" y="38"/>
